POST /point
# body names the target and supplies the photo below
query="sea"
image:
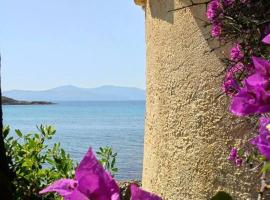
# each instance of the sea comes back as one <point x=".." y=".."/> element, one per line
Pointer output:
<point x="80" y="125"/>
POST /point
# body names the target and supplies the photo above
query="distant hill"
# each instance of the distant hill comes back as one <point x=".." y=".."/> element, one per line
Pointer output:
<point x="10" y="101"/>
<point x="73" y="93"/>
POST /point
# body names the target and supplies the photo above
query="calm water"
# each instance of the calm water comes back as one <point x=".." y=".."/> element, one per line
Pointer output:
<point x="80" y="125"/>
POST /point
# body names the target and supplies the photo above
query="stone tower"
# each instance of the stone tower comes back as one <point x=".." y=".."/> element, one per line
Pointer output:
<point x="188" y="129"/>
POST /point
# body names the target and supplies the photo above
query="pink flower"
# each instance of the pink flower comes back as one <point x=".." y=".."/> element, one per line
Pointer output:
<point x="233" y="154"/>
<point x="64" y="187"/>
<point x="254" y="97"/>
<point x="266" y="39"/>
<point x="213" y="9"/>
<point x="262" y="141"/>
<point x="238" y="162"/>
<point x="139" y="194"/>
<point x="236" y="52"/>
<point x="216" y="30"/>
<point x="230" y="85"/>
<point x="92" y="182"/>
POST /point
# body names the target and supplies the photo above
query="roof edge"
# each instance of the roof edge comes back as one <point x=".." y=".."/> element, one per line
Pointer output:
<point x="140" y="2"/>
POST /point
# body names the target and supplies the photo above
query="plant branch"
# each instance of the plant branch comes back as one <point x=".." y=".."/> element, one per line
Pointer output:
<point x="191" y="5"/>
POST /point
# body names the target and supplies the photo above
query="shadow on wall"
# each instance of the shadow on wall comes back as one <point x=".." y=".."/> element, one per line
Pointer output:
<point x="166" y="10"/>
<point x="159" y="9"/>
<point x="198" y="11"/>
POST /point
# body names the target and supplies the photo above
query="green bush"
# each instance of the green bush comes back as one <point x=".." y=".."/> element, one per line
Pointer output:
<point x="107" y="158"/>
<point x="34" y="165"/>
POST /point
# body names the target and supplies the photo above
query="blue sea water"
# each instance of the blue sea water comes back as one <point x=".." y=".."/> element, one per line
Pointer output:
<point x="79" y="125"/>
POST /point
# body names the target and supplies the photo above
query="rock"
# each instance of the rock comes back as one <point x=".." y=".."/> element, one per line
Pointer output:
<point x="10" y="101"/>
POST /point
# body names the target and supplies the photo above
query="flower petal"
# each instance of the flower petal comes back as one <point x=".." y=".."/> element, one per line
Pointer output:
<point x="262" y="66"/>
<point x="266" y="39"/>
<point x="94" y="181"/>
<point x="77" y="195"/>
<point x="256" y="80"/>
<point x="63" y="187"/>
<point x="139" y="194"/>
<point x="243" y="104"/>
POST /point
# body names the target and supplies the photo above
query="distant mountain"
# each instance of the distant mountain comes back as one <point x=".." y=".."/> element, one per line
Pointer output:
<point x="73" y="93"/>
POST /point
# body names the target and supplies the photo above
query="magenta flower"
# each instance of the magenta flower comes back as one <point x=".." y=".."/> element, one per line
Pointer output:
<point x="91" y="182"/>
<point x="64" y="187"/>
<point x="213" y="9"/>
<point x="262" y="141"/>
<point x="264" y="122"/>
<point x="236" y="52"/>
<point x="230" y="85"/>
<point x="250" y="100"/>
<point x="238" y="162"/>
<point x="254" y="97"/>
<point x="216" y="30"/>
<point x="266" y="39"/>
<point x="139" y="194"/>
<point x="233" y="154"/>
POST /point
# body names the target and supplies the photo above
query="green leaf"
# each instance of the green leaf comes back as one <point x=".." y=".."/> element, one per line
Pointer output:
<point x="266" y="167"/>
<point x="6" y="130"/>
<point x="19" y="133"/>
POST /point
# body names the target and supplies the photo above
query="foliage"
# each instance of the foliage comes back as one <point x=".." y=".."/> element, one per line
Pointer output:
<point x="245" y="26"/>
<point x="34" y="164"/>
<point x="93" y="182"/>
<point x="107" y="159"/>
<point x="242" y="23"/>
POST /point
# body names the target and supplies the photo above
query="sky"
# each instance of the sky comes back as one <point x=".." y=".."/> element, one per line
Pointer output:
<point x="87" y="43"/>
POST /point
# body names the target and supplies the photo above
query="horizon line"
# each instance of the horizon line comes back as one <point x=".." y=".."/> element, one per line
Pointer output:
<point x="71" y="85"/>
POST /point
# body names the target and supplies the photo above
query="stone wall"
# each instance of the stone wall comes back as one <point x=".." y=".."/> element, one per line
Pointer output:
<point x="188" y="129"/>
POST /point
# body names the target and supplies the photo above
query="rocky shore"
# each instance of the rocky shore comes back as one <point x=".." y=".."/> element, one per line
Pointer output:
<point x="10" y="101"/>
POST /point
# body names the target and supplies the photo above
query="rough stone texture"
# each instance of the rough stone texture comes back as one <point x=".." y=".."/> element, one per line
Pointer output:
<point x="189" y="130"/>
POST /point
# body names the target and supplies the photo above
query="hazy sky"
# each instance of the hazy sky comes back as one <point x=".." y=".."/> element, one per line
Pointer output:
<point x="88" y="43"/>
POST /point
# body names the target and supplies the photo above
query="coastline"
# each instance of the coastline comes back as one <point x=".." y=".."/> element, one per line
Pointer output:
<point x="10" y="101"/>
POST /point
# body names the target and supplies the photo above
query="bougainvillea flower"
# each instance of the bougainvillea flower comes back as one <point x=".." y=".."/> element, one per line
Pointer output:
<point x="262" y="66"/>
<point x="213" y="9"/>
<point x="266" y="39"/>
<point x="139" y="194"/>
<point x="230" y="85"/>
<point x="94" y="181"/>
<point x="63" y="187"/>
<point x="216" y="30"/>
<point x="236" y="52"/>
<point x="250" y="100"/>
<point x="254" y="97"/>
<point x="233" y="154"/>
<point x="262" y="141"/>
<point x="91" y="182"/>
<point x="264" y="125"/>
<point x="238" y="162"/>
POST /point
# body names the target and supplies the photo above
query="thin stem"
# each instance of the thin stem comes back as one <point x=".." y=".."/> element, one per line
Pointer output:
<point x="263" y="184"/>
<point x="191" y="5"/>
